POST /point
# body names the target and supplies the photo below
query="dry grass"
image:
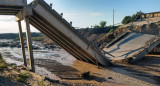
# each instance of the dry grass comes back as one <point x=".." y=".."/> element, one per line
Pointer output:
<point x="22" y="77"/>
<point x="3" y="64"/>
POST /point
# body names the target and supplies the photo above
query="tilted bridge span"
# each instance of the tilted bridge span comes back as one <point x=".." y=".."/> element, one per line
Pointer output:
<point x="128" y="46"/>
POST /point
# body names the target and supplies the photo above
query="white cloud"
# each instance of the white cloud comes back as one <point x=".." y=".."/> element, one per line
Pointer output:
<point x="9" y="25"/>
<point x="7" y="18"/>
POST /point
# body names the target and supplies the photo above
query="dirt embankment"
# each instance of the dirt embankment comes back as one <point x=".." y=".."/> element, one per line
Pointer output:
<point x="12" y="75"/>
<point x="146" y="26"/>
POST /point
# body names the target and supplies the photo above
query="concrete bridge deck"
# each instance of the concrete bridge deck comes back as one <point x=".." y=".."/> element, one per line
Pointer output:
<point x="131" y="46"/>
<point x="49" y="22"/>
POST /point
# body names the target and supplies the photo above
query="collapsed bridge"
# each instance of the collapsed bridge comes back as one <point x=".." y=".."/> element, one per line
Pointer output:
<point x="49" y="22"/>
<point x="40" y="15"/>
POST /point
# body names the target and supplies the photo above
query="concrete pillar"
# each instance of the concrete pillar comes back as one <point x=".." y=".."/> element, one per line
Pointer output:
<point x="22" y="43"/>
<point x="29" y="43"/>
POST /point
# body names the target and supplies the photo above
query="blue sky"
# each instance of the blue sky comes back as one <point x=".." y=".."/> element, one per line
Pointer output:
<point x="85" y="13"/>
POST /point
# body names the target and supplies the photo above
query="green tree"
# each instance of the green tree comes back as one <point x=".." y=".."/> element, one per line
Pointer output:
<point x="133" y="18"/>
<point x="103" y="24"/>
<point x="139" y="14"/>
<point x="96" y="26"/>
<point x="126" y="20"/>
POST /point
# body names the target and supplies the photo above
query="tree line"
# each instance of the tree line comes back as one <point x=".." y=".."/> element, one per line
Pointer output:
<point x="16" y="35"/>
<point x="128" y="19"/>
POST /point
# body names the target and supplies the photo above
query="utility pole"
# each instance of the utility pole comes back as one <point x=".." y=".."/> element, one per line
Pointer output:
<point x="113" y="17"/>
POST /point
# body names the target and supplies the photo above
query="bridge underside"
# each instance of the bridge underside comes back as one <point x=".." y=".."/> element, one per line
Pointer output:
<point x="11" y="7"/>
<point x="9" y="10"/>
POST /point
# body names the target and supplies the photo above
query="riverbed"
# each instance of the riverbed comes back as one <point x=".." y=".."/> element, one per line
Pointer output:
<point x="57" y="64"/>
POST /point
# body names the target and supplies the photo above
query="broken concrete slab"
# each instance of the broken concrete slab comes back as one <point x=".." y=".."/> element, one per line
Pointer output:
<point x="131" y="46"/>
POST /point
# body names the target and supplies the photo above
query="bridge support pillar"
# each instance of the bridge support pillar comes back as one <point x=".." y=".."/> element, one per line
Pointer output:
<point x="29" y="43"/>
<point x="22" y="43"/>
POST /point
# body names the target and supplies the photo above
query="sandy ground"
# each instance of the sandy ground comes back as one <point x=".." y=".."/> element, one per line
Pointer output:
<point x="142" y="73"/>
<point x="70" y="72"/>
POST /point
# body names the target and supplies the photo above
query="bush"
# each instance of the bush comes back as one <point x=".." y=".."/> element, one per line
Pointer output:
<point x="103" y="24"/>
<point x="109" y="33"/>
<point x="96" y="26"/>
<point x="42" y="83"/>
<point x="3" y="64"/>
<point x="22" y="77"/>
<point x="133" y="18"/>
<point x="126" y="20"/>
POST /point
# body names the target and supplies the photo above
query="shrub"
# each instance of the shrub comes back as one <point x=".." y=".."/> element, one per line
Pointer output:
<point x="109" y="33"/>
<point x="42" y="83"/>
<point x="126" y="20"/>
<point x="22" y="77"/>
<point x="103" y="24"/>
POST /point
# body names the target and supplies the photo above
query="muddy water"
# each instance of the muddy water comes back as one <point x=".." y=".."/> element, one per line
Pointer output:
<point x="58" y="55"/>
<point x="42" y="59"/>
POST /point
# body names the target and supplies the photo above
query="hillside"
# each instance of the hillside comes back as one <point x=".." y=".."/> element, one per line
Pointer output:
<point x="146" y="26"/>
<point x="16" y="35"/>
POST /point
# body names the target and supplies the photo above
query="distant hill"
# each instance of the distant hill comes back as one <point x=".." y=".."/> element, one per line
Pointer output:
<point x="16" y="35"/>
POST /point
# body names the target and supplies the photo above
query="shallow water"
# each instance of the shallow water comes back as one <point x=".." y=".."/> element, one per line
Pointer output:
<point x="58" y="55"/>
<point x="14" y="55"/>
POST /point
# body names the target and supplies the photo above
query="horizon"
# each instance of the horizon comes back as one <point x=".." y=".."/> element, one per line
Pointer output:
<point x="86" y="13"/>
